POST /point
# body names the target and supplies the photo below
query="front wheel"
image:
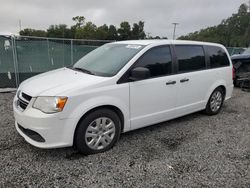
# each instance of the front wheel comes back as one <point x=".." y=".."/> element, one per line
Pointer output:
<point x="215" y="102"/>
<point x="98" y="132"/>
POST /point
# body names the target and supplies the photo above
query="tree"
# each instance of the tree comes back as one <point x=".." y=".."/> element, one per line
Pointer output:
<point x="88" y="31"/>
<point x="135" y="31"/>
<point x="112" y="33"/>
<point x="102" y="32"/>
<point x="60" y="31"/>
<point x="142" y="34"/>
<point x="33" y="32"/>
<point x="80" y="20"/>
<point x="233" y="31"/>
<point x="124" y="32"/>
<point x="138" y="31"/>
<point x="243" y="9"/>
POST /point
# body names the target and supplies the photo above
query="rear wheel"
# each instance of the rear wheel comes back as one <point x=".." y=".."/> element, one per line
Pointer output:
<point x="98" y="132"/>
<point x="215" y="102"/>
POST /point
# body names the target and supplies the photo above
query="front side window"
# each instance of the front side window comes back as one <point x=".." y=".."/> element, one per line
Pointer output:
<point x="158" y="60"/>
<point x="108" y="59"/>
<point x="190" y="58"/>
<point x="217" y="56"/>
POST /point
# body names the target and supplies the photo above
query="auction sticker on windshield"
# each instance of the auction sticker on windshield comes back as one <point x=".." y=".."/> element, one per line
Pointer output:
<point x="133" y="46"/>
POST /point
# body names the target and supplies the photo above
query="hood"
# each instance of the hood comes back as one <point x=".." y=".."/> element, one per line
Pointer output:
<point x="58" y="81"/>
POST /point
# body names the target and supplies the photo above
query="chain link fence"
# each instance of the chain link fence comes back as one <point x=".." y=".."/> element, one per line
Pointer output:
<point x="235" y="50"/>
<point x="22" y="57"/>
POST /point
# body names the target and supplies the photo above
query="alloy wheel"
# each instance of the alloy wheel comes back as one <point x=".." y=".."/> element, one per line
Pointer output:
<point x="216" y="101"/>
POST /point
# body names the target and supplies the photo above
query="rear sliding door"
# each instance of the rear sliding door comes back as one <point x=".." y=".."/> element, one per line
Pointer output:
<point x="194" y="79"/>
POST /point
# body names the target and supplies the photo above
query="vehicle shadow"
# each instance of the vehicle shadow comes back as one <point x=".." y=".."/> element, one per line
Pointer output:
<point x="127" y="140"/>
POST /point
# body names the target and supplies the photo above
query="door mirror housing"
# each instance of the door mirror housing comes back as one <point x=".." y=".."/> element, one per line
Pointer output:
<point x="139" y="73"/>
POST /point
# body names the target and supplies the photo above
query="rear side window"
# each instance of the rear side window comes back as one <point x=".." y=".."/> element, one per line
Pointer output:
<point x="217" y="56"/>
<point x="158" y="60"/>
<point x="190" y="58"/>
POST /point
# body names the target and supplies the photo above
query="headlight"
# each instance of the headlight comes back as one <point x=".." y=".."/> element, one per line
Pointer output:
<point x="50" y="104"/>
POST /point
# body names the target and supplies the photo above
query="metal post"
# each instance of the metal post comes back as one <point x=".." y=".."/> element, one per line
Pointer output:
<point x="13" y="44"/>
<point x="48" y="50"/>
<point x="71" y="49"/>
<point x="63" y="54"/>
<point x="20" y="26"/>
<point x="175" y="24"/>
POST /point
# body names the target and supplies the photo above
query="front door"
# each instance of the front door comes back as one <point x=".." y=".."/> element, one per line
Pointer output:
<point x="153" y="100"/>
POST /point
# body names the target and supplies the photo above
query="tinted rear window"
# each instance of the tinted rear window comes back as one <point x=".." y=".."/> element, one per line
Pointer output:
<point x="190" y="58"/>
<point x="217" y="56"/>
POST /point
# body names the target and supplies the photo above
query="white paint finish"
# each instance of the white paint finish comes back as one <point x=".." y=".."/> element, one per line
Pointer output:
<point x="58" y="81"/>
<point x="57" y="132"/>
<point x="142" y="103"/>
<point x="114" y="95"/>
<point x="165" y="42"/>
<point x="152" y="101"/>
<point x="192" y="94"/>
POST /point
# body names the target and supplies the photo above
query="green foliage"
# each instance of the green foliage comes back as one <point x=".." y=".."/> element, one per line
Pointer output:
<point x="102" y="32"/>
<point x="33" y="32"/>
<point x="138" y="31"/>
<point x="80" y="20"/>
<point x="88" y="30"/>
<point x="124" y="32"/>
<point x="59" y="31"/>
<point x="112" y="33"/>
<point x="233" y="31"/>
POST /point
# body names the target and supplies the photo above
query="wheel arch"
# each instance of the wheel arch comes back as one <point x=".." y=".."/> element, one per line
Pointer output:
<point x="220" y="84"/>
<point x="114" y="108"/>
<point x="224" y="89"/>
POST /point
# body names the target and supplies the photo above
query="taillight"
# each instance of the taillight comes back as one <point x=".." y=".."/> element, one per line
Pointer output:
<point x="233" y="73"/>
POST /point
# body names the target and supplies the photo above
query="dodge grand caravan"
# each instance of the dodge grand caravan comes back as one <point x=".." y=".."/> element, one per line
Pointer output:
<point x="120" y="87"/>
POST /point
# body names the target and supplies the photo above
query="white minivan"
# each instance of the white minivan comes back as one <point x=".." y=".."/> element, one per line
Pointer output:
<point x="120" y="87"/>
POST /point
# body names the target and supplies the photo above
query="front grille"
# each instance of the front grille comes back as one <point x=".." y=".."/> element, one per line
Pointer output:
<point x="31" y="134"/>
<point x="22" y="104"/>
<point x="23" y="100"/>
<point x="26" y="97"/>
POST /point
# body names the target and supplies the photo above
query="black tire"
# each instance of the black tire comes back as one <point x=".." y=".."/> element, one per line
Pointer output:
<point x="80" y="139"/>
<point x="209" y="109"/>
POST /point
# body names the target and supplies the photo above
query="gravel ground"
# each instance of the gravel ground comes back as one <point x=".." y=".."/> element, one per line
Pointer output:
<point x="192" y="151"/>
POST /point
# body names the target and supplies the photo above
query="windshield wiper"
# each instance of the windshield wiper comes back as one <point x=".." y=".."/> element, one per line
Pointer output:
<point x="83" y="70"/>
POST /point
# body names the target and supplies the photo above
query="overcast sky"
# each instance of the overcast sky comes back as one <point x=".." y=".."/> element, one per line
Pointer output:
<point x="157" y="14"/>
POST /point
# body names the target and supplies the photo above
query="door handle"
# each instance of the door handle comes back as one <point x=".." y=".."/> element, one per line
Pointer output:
<point x="184" y="80"/>
<point x="171" y="83"/>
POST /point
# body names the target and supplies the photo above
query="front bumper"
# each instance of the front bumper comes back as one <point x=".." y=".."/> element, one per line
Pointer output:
<point x="56" y="131"/>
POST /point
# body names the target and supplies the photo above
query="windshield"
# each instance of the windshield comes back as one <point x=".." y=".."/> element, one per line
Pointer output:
<point x="108" y="59"/>
<point x="246" y="52"/>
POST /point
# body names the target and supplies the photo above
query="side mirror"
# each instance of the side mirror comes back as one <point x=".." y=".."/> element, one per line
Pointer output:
<point x="139" y="73"/>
